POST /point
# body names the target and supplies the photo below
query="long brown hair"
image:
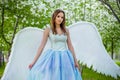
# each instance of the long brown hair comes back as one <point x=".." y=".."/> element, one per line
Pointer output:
<point x="62" y="25"/>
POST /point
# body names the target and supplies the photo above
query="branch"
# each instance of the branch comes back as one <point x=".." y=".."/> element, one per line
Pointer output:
<point x="118" y="4"/>
<point x="15" y="28"/>
<point x="111" y="10"/>
<point x="16" y="25"/>
<point x="2" y="24"/>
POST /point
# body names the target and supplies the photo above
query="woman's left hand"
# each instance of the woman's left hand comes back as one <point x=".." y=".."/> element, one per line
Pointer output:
<point x="76" y="64"/>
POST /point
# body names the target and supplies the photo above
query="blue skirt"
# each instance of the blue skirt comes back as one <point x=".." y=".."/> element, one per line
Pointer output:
<point x="55" y="65"/>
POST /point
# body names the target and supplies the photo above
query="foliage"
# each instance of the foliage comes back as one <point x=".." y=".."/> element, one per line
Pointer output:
<point x="37" y="13"/>
<point x="89" y="74"/>
<point x="117" y="62"/>
<point x="1" y="70"/>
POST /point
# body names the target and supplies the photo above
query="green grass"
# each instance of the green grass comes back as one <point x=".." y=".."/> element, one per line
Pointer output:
<point x="87" y="74"/>
<point x="117" y="62"/>
<point x="1" y="70"/>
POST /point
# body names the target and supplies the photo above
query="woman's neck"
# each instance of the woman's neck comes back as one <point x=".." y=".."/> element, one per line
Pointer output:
<point x="57" y="26"/>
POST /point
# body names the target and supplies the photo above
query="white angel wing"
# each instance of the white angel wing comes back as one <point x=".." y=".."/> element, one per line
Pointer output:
<point x="24" y="48"/>
<point x="90" y="50"/>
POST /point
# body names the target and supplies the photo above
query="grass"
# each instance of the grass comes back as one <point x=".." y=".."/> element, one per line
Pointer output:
<point x="87" y="74"/>
<point x="117" y="62"/>
<point x="1" y="70"/>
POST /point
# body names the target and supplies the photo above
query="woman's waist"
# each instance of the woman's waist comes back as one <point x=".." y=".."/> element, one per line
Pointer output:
<point x="59" y="48"/>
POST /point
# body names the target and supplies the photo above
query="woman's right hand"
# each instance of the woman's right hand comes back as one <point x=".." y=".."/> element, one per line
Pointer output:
<point x="31" y="65"/>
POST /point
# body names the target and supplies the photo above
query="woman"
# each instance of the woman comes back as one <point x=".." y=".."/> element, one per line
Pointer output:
<point x="59" y="62"/>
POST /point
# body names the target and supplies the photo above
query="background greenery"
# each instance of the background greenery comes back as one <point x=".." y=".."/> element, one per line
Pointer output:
<point x="18" y="14"/>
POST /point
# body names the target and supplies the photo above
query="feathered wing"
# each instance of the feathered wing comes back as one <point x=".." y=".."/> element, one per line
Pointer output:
<point x="89" y="49"/>
<point x="86" y="41"/>
<point x="24" y="48"/>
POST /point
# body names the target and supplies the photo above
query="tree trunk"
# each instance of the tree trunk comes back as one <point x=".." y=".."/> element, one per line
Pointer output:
<point x="2" y="24"/>
<point x="2" y="28"/>
<point x="15" y="28"/>
<point x="84" y="11"/>
<point x="90" y="11"/>
<point x="3" y="60"/>
<point x="0" y="58"/>
<point x="112" y="48"/>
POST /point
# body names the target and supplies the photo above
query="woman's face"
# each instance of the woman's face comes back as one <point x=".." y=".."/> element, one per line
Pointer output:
<point x="59" y="18"/>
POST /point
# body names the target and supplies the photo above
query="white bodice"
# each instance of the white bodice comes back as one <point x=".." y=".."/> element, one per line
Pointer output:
<point x="58" y="42"/>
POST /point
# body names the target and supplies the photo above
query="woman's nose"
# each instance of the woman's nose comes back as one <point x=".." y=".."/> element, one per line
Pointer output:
<point x="60" y="18"/>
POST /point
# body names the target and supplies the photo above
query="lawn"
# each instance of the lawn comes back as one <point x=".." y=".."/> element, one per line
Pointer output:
<point x="1" y="70"/>
<point x="87" y="74"/>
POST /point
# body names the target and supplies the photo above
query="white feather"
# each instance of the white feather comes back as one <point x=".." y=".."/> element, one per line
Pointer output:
<point x="90" y="50"/>
<point x="86" y="41"/>
<point x="24" y="48"/>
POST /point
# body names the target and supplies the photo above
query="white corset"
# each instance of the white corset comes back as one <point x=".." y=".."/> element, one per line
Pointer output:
<point x="58" y="42"/>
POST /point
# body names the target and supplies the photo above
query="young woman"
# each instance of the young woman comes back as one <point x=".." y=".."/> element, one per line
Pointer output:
<point x="59" y="62"/>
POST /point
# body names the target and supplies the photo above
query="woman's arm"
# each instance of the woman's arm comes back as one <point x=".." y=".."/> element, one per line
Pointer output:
<point x="41" y="47"/>
<point x="69" y="43"/>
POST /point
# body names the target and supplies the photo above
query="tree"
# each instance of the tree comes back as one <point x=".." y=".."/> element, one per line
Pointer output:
<point x="114" y="7"/>
<point x="18" y="14"/>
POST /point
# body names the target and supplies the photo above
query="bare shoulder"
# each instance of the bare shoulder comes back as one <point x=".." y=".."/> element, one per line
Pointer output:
<point x="67" y="30"/>
<point x="47" y="30"/>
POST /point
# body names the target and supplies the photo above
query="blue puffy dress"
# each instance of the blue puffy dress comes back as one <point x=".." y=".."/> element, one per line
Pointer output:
<point x="56" y="63"/>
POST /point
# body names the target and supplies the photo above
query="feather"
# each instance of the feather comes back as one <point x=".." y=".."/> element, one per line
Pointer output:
<point x="89" y="49"/>
<point x="24" y="48"/>
<point x="86" y="41"/>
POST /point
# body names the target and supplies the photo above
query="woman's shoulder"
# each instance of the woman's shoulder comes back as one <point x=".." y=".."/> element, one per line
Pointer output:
<point x="47" y="30"/>
<point x="67" y="30"/>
